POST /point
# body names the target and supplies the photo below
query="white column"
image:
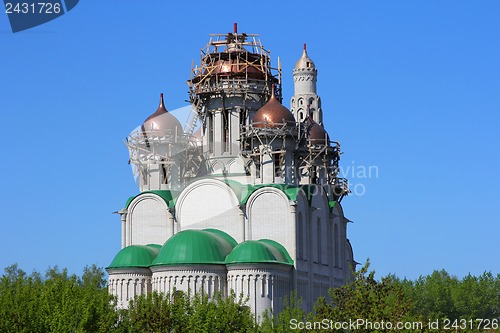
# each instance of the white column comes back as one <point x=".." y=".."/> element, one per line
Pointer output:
<point x="123" y="217"/>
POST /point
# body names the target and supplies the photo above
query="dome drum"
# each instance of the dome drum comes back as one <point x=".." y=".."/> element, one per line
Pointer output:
<point x="206" y="279"/>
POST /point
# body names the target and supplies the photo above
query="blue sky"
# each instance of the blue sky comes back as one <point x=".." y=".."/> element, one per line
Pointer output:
<point x="410" y="88"/>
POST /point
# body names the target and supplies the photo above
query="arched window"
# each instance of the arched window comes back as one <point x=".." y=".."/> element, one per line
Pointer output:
<point x="301" y="116"/>
<point x="300" y="238"/>
<point x="329" y="244"/>
<point x="318" y="240"/>
<point x="337" y="244"/>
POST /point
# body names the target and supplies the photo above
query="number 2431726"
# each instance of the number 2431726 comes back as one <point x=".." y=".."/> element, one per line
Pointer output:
<point x="32" y="8"/>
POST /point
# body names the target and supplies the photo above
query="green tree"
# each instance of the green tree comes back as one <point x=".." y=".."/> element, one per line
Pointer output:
<point x="159" y="313"/>
<point x="442" y="297"/>
<point x="280" y="322"/>
<point x="367" y="299"/>
<point x="20" y="297"/>
<point x="59" y="302"/>
<point x="477" y="297"/>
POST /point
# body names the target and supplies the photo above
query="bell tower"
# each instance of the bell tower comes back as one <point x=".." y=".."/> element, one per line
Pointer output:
<point x="305" y="76"/>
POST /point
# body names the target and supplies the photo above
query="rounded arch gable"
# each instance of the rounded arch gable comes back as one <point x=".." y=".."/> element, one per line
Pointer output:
<point x="338" y="212"/>
<point x="148" y="220"/>
<point x="319" y="200"/>
<point x="209" y="203"/>
<point x="270" y="216"/>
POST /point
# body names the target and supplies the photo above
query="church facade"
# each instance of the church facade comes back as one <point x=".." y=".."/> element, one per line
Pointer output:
<point x="245" y="197"/>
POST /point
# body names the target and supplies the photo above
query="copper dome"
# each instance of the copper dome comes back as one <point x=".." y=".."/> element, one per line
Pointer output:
<point x="273" y="114"/>
<point x="162" y="122"/>
<point x="233" y="67"/>
<point x="316" y="134"/>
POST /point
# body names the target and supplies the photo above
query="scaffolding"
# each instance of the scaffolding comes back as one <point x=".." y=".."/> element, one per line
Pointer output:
<point x="318" y="159"/>
<point x="232" y="64"/>
<point x="315" y="160"/>
<point x="176" y="157"/>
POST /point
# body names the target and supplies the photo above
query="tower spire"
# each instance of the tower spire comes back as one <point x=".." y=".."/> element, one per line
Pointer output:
<point x="162" y="103"/>
<point x="305" y="76"/>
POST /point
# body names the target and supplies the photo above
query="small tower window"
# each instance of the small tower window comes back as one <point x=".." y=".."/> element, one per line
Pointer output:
<point x="301" y="116"/>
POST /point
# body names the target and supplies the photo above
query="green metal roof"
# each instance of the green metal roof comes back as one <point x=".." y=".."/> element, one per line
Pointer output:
<point x="244" y="191"/>
<point x="166" y="195"/>
<point x="134" y="256"/>
<point x="154" y="247"/>
<point x="257" y="252"/>
<point x="280" y="248"/>
<point x="224" y="235"/>
<point x="129" y="200"/>
<point x="194" y="247"/>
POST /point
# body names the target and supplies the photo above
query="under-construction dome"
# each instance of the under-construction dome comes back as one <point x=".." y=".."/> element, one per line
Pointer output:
<point x="273" y="114"/>
<point x="235" y="62"/>
<point x="232" y="67"/>
<point x="316" y="134"/>
<point x="162" y="122"/>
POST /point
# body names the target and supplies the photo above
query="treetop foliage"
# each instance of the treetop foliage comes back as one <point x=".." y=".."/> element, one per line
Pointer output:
<point x="61" y="302"/>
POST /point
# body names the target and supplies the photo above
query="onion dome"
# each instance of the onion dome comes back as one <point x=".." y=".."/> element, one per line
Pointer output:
<point x="252" y="251"/>
<point x="135" y="256"/>
<point x="273" y="114"/>
<point x="305" y="62"/>
<point x="194" y="247"/>
<point x="232" y="67"/>
<point x="162" y="121"/>
<point x="316" y="134"/>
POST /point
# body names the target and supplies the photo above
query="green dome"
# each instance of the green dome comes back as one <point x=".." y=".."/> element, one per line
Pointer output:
<point x="154" y="247"/>
<point x="280" y="248"/>
<point x="194" y="247"/>
<point x="221" y="233"/>
<point x="134" y="256"/>
<point x="257" y="252"/>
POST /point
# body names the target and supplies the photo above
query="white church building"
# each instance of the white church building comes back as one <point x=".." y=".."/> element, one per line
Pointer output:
<point x="245" y="196"/>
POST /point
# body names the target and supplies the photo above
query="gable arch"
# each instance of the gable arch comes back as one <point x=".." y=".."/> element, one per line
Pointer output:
<point x="148" y="220"/>
<point x="210" y="203"/>
<point x="269" y="216"/>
